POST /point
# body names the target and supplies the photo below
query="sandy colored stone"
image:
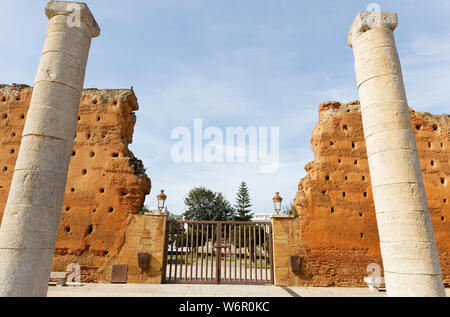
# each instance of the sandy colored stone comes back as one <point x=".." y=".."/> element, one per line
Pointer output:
<point x="393" y="160"/>
<point x="37" y="191"/>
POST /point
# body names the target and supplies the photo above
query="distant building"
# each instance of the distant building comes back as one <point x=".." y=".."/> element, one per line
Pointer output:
<point x="261" y="217"/>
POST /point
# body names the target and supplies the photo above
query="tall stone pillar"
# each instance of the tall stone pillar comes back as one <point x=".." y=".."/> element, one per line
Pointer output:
<point x="32" y="214"/>
<point x="408" y="247"/>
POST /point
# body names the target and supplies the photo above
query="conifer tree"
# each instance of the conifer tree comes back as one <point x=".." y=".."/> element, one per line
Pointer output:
<point x="243" y="204"/>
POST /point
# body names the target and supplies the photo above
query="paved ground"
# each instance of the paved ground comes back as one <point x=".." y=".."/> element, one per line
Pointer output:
<point x="170" y="290"/>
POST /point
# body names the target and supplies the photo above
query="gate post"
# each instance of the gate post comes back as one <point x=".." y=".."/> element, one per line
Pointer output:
<point x="281" y="273"/>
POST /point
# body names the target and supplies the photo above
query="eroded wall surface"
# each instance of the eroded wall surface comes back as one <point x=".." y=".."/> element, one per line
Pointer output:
<point x="105" y="185"/>
<point x="336" y="231"/>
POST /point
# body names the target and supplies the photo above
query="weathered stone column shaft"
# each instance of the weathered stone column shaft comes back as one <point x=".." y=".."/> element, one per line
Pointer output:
<point x="32" y="214"/>
<point x="408" y="247"/>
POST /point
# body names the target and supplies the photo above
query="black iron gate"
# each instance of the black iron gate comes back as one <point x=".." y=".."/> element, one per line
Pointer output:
<point x="215" y="252"/>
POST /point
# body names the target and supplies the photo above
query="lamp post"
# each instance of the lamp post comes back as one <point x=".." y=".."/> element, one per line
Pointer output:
<point x="277" y="199"/>
<point x="161" y="197"/>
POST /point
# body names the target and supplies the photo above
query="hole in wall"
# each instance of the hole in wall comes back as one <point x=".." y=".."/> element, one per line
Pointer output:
<point x="356" y="162"/>
<point x="110" y="209"/>
<point x="94" y="210"/>
<point x="435" y="127"/>
<point x="418" y="126"/>
<point x="363" y="178"/>
<point x="442" y="218"/>
<point x="67" y="208"/>
<point x="442" y="180"/>
<point x="361" y="235"/>
<point x="88" y="136"/>
<point x="5" y="169"/>
<point x="98" y="118"/>
<point x="84" y="172"/>
<point x="344" y="194"/>
<point x="3" y="99"/>
<point x="332" y="209"/>
<point x="13" y="135"/>
<point x="22" y="116"/>
<point x="360" y="214"/>
<point x="12" y="151"/>
<point x="327" y="177"/>
<point x="115" y="154"/>
<point x="445" y="200"/>
<point x="17" y="98"/>
<point x="346" y="178"/>
<point x="74" y="153"/>
<point x="432" y="163"/>
<point x="92" y="154"/>
<point x="89" y="230"/>
<point x="345" y="127"/>
<point x="102" y="190"/>
<point x="124" y="193"/>
<point x="72" y="189"/>
<point x="95" y="101"/>
<point x="115" y="102"/>
<point x="331" y="143"/>
<point x="4" y="116"/>
<point x="339" y="161"/>
<point x="324" y="192"/>
<point x="79" y="118"/>
<point x="67" y="229"/>
<point x="353" y="145"/>
<point x="365" y="194"/>
<point x="429" y="145"/>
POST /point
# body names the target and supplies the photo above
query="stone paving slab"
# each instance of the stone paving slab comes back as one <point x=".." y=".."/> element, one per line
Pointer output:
<point x="170" y="290"/>
<point x="179" y="290"/>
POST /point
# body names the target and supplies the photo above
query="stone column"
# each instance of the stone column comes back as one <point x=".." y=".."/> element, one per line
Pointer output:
<point x="32" y="214"/>
<point x="408" y="247"/>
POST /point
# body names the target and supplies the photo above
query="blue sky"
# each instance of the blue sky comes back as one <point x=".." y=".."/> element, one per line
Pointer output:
<point x="233" y="63"/>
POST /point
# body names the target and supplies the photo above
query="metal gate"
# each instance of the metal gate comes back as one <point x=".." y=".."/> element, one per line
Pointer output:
<point x="215" y="252"/>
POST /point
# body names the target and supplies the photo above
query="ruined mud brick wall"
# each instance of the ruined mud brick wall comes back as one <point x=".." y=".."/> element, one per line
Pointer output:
<point x="105" y="185"/>
<point x="336" y="230"/>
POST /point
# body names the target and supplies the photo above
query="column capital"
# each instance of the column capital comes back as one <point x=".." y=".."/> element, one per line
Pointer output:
<point x="79" y="10"/>
<point x="365" y="21"/>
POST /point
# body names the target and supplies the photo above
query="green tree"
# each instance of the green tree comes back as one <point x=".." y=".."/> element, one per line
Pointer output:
<point x="204" y="204"/>
<point x="243" y="204"/>
<point x="223" y="209"/>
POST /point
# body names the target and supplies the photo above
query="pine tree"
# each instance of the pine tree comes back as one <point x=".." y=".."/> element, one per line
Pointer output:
<point x="243" y="204"/>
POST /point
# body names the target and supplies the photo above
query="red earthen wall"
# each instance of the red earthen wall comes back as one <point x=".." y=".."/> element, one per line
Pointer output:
<point x="337" y="232"/>
<point x="105" y="183"/>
